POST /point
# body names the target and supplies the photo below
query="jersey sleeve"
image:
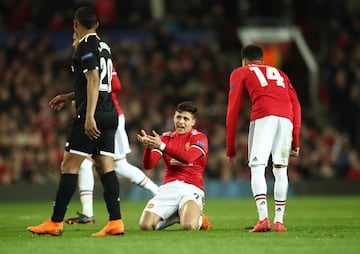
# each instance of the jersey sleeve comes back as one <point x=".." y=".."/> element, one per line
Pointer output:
<point x="198" y="147"/>
<point x="115" y="81"/>
<point x="296" y="116"/>
<point x="151" y="157"/>
<point x="88" y="56"/>
<point x="233" y="109"/>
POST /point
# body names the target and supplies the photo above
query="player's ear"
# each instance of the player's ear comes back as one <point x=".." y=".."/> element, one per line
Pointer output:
<point x="75" y="24"/>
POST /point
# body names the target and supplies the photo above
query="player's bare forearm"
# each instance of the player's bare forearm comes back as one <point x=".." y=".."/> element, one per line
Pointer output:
<point x="93" y="82"/>
<point x="60" y="100"/>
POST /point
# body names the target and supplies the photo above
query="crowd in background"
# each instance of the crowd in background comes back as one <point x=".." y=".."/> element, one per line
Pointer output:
<point x="186" y="55"/>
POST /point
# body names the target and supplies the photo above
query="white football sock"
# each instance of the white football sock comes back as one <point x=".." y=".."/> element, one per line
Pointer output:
<point x="168" y="222"/>
<point x="200" y="222"/>
<point x="135" y="175"/>
<point x="259" y="189"/>
<point x="86" y="187"/>
<point x="280" y="192"/>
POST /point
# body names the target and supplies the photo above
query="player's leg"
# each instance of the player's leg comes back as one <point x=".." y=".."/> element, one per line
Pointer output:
<point x="123" y="167"/>
<point x="149" y="220"/>
<point x="68" y="184"/>
<point x="164" y="223"/>
<point x="280" y="155"/>
<point x="260" y="142"/>
<point x="86" y="189"/>
<point x="280" y="195"/>
<point x="161" y="210"/>
<point x="189" y="215"/>
<point x="135" y="175"/>
<point x="104" y="165"/>
<point x="191" y="208"/>
<point x="66" y="189"/>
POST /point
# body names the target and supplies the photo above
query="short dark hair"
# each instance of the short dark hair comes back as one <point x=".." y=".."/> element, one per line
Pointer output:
<point x="86" y="16"/>
<point x="252" y="52"/>
<point x="186" y="106"/>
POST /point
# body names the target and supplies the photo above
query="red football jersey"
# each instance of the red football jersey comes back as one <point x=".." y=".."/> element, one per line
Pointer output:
<point x="271" y="93"/>
<point x="185" y="157"/>
<point x="115" y="87"/>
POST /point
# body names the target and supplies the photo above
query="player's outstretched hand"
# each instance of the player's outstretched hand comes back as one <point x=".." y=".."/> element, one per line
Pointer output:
<point x="143" y="138"/>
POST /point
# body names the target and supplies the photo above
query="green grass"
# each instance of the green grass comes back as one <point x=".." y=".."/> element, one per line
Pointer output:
<point x="315" y="225"/>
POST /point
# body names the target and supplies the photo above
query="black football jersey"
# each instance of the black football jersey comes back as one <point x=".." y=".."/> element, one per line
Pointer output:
<point x="92" y="53"/>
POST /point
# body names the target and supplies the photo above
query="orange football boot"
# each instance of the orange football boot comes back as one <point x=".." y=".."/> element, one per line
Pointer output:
<point x="262" y="226"/>
<point x="113" y="227"/>
<point x="279" y="227"/>
<point x="47" y="227"/>
<point x="205" y="223"/>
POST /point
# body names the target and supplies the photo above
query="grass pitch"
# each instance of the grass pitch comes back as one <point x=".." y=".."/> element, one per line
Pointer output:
<point x="315" y="225"/>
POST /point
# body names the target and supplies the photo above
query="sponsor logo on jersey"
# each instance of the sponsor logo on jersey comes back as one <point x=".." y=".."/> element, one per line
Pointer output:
<point x="187" y="146"/>
<point x="175" y="162"/>
<point x="201" y="143"/>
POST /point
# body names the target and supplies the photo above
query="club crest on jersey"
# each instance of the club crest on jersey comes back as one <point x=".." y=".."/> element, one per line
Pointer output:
<point x="151" y="205"/>
<point x="86" y="56"/>
<point x="187" y="146"/>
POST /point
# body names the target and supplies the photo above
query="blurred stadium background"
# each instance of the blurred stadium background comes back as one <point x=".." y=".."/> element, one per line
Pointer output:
<point x="168" y="51"/>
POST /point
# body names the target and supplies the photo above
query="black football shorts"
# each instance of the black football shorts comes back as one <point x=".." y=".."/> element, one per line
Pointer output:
<point x="78" y="143"/>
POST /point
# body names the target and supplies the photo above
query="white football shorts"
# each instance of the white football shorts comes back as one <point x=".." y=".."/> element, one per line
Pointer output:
<point x="122" y="146"/>
<point x="172" y="196"/>
<point x="270" y="135"/>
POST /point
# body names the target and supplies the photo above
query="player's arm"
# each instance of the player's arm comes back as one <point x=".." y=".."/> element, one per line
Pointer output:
<point x="60" y="100"/>
<point x="194" y="153"/>
<point x="296" y="121"/>
<point x="233" y="109"/>
<point x="115" y="81"/>
<point x="150" y="156"/>
<point x="93" y="81"/>
<point x="198" y="148"/>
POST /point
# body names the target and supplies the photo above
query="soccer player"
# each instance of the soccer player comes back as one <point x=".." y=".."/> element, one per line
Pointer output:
<point x="92" y="131"/>
<point x="184" y="151"/>
<point x="122" y="166"/>
<point x="274" y="129"/>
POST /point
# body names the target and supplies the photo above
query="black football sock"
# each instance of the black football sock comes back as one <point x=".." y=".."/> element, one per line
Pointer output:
<point x="66" y="190"/>
<point x="111" y="194"/>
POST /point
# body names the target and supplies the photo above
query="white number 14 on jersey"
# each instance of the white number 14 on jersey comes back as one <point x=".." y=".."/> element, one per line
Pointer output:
<point x="271" y="74"/>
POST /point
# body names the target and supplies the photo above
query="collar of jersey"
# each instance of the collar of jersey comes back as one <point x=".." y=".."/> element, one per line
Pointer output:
<point x="86" y="36"/>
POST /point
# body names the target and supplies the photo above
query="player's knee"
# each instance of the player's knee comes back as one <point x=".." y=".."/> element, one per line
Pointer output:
<point x="145" y="226"/>
<point x="189" y="226"/>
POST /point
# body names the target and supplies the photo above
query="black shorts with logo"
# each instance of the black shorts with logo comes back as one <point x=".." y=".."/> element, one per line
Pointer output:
<point x="78" y="143"/>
